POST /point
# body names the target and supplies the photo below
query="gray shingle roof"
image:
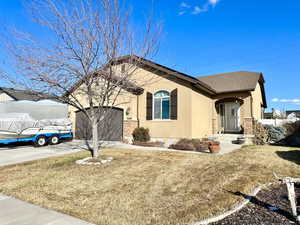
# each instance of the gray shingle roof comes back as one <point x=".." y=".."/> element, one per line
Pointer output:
<point x="233" y="81"/>
<point x="19" y="95"/>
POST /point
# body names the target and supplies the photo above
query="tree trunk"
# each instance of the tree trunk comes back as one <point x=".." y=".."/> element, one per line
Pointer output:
<point x="95" y="150"/>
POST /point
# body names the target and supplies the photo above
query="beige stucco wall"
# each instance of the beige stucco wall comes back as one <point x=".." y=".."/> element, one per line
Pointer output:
<point x="201" y="115"/>
<point x="257" y="102"/>
<point x="180" y="128"/>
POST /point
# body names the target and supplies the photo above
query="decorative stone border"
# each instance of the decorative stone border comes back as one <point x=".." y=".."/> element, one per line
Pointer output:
<point x="85" y="161"/>
<point x="238" y="207"/>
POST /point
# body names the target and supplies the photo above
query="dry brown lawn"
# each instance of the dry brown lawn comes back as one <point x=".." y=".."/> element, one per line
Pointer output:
<point x="147" y="187"/>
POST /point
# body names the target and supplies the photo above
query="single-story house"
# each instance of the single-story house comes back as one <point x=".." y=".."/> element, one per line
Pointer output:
<point x="177" y="105"/>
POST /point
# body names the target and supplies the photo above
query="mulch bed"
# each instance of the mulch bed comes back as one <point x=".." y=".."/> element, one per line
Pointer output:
<point x="258" y="212"/>
<point x="149" y="144"/>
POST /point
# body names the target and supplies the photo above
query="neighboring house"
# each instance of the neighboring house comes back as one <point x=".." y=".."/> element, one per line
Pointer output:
<point x="268" y="115"/>
<point x="37" y="105"/>
<point x="11" y="94"/>
<point x="177" y="105"/>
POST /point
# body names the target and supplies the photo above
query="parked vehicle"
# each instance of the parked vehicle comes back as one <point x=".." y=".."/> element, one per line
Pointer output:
<point x="20" y="127"/>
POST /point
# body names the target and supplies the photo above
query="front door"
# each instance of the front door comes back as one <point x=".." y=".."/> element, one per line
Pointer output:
<point x="230" y="117"/>
<point x="232" y="111"/>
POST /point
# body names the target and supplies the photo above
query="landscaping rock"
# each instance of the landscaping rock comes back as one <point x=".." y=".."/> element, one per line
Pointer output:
<point x="269" y="207"/>
<point x="88" y="161"/>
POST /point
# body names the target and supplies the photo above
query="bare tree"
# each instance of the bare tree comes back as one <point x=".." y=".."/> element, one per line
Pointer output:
<point x="74" y="60"/>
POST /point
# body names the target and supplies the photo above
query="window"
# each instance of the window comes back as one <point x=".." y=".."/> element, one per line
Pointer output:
<point x="161" y="105"/>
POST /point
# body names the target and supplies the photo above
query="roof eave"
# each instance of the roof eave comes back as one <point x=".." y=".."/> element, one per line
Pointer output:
<point x="9" y="94"/>
<point x="235" y="91"/>
<point x="197" y="83"/>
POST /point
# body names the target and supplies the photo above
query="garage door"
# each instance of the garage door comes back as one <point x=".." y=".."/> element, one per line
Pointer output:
<point x="109" y="130"/>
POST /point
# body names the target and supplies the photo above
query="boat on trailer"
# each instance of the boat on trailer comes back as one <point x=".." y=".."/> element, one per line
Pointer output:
<point x="20" y="127"/>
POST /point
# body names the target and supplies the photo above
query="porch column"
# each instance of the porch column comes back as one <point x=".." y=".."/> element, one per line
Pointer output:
<point x="248" y="125"/>
<point x="128" y="128"/>
<point x="214" y="126"/>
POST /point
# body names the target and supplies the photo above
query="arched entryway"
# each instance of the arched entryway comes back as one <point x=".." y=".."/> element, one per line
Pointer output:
<point x="229" y="113"/>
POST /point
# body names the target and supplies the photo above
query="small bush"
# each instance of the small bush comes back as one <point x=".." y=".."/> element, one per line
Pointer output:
<point x="292" y="128"/>
<point x="292" y="134"/>
<point x="141" y="134"/>
<point x="187" y="147"/>
<point x="190" y="145"/>
<point x="200" y="145"/>
<point x="275" y="134"/>
<point x="260" y="134"/>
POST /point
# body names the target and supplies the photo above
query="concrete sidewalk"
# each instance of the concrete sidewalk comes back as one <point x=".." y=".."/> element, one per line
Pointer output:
<point x="16" y="212"/>
<point x="225" y="147"/>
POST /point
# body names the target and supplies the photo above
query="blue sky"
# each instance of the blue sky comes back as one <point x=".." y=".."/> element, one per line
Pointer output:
<point x="203" y="37"/>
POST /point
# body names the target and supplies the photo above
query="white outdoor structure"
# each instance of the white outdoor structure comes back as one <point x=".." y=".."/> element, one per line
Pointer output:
<point x="279" y="122"/>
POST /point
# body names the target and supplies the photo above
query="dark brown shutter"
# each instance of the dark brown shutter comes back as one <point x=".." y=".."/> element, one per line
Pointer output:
<point x="149" y="106"/>
<point x="174" y="104"/>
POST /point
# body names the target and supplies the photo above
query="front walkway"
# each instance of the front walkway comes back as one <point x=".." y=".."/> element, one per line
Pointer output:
<point x="226" y="147"/>
<point x="16" y="212"/>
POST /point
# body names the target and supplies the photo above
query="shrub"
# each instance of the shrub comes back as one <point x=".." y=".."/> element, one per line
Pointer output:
<point x="260" y="134"/>
<point x="190" y="145"/>
<point x="200" y="145"/>
<point x="275" y="134"/>
<point x="292" y="134"/>
<point x="292" y="128"/>
<point x="141" y="134"/>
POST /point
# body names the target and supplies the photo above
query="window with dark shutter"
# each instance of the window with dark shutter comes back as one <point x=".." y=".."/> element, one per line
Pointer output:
<point x="174" y="104"/>
<point x="149" y="106"/>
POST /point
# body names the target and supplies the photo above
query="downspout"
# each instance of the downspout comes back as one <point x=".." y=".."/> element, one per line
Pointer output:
<point x="137" y="110"/>
<point x="251" y="105"/>
<point x="213" y="119"/>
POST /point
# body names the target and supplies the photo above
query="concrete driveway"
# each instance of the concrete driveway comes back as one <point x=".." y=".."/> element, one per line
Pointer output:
<point x="12" y="154"/>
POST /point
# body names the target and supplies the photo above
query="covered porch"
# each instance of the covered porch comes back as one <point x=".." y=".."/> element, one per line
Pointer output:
<point x="233" y="115"/>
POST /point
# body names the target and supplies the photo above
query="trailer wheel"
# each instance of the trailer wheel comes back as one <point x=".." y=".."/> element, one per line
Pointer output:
<point x="54" y="140"/>
<point x="40" y="141"/>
